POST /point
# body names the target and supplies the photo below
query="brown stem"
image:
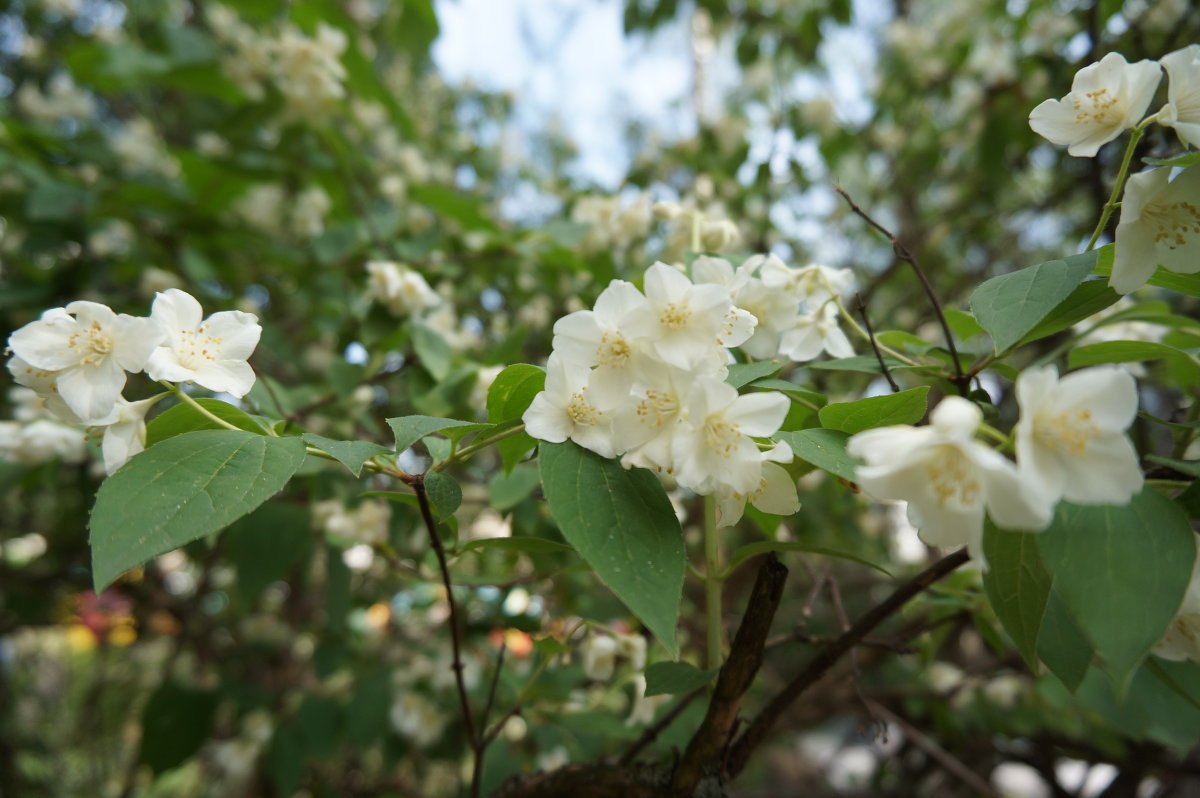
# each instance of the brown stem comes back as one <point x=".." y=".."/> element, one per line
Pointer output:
<point x="827" y="657"/>
<point x="417" y="481"/>
<point x="961" y="381"/>
<point x="862" y="311"/>
<point x="737" y="674"/>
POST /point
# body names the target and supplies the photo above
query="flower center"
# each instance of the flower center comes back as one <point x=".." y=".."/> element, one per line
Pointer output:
<point x="674" y="315"/>
<point x="1173" y="223"/>
<point x="580" y="411"/>
<point x="1068" y="431"/>
<point x="92" y="344"/>
<point x="195" y="347"/>
<point x="952" y="479"/>
<point x="1096" y="107"/>
<point x="657" y="408"/>
<point x="614" y="350"/>
<point x="721" y="436"/>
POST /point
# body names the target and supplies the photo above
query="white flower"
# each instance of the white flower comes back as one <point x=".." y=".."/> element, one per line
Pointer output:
<point x="714" y="446"/>
<point x="1182" y="638"/>
<point x="565" y="410"/>
<point x="417" y="719"/>
<point x="1071" y="439"/>
<point x="645" y="424"/>
<point x="1106" y="99"/>
<point x="126" y="436"/>
<point x="212" y="353"/>
<point x="597" y="338"/>
<point x="599" y="653"/>
<point x="1182" y="110"/>
<point x="401" y="289"/>
<point x="815" y="333"/>
<point x="686" y="324"/>
<point x="633" y="648"/>
<point x="775" y="494"/>
<point x="813" y="284"/>
<point x="34" y="442"/>
<point x="644" y="707"/>
<point x="946" y="476"/>
<point x="1160" y="226"/>
<point x="89" y="348"/>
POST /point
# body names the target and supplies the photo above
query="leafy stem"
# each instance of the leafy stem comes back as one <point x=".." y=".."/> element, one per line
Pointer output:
<point x="457" y="456"/>
<point x="713" y="583"/>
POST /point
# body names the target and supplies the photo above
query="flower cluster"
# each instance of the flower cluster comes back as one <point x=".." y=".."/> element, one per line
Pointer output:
<point x="76" y="358"/>
<point x="306" y="70"/>
<point x="643" y="376"/>
<point x="1070" y="444"/>
<point x="1160" y="217"/>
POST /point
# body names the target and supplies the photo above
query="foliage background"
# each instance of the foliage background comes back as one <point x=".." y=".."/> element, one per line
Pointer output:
<point x="259" y="662"/>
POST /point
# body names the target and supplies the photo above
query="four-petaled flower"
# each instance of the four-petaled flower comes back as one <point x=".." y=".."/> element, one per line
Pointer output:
<point x="1071" y="441"/>
<point x="211" y="353"/>
<point x="947" y="477"/>
<point x="88" y="348"/>
<point x="1106" y="99"/>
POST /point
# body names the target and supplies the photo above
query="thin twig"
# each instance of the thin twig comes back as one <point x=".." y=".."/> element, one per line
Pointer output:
<point x="887" y="375"/>
<point x="417" y="481"/>
<point x="652" y="732"/>
<point x="827" y="657"/>
<point x="491" y="696"/>
<point x="960" y="380"/>
<point x="930" y="746"/>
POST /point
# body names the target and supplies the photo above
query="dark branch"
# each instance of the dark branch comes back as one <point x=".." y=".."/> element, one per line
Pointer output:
<point x="737" y="674"/>
<point x="862" y="311"/>
<point x="827" y="657"/>
<point x="652" y="732"/>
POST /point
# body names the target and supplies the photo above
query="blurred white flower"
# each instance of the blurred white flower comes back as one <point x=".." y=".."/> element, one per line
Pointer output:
<point x="1160" y="226"/>
<point x="1182" y="110"/>
<point x="1070" y="438"/>
<point x="1106" y="99"/>
<point x="599" y="655"/>
<point x="947" y="477"/>
<point x="403" y="291"/>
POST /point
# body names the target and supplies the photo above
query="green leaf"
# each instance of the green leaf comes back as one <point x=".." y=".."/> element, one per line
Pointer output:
<point x="513" y="390"/>
<point x="670" y="678"/>
<point x="410" y="429"/>
<point x="453" y="204"/>
<point x="1190" y="467"/>
<point x="351" y="454"/>
<point x="905" y="407"/>
<point x="508" y="398"/>
<point x="182" y="489"/>
<point x="962" y="324"/>
<point x="824" y="448"/>
<point x="1125" y="352"/>
<point x="1185" y="160"/>
<point x="867" y="364"/>
<point x="175" y="723"/>
<point x="508" y="490"/>
<point x="1122" y="573"/>
<point x="183" y="418"/>
<point x="57" y="202"/>
<point x="1061" y="646"/>
<point x="1088" y="299"/>
<point x="444" y="493"/>
<point x="264" y="545"/>
<point x="1011" y="305"/>
<point x="742" y="373"/>
<point x="744" y="553"/>
<point x="1017" y="586"/>
<point x="622" y="523"/>
<point x="432" y="351"/>
<point x="520" y="543"/>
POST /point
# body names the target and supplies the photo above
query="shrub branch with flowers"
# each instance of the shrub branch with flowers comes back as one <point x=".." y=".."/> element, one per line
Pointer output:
<point x="681" y="426"/>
